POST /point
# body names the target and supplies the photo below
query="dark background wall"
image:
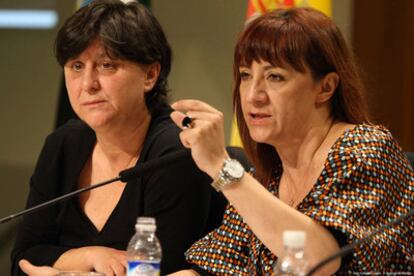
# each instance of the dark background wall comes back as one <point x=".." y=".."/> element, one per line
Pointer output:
<point x="29" y="83"/>
<point x="384" y="43"/>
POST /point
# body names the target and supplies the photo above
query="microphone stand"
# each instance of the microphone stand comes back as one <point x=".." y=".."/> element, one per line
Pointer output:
<point x="56" y="200"/>
<point x="124" y="176"/>
<point x="348" y="248"/>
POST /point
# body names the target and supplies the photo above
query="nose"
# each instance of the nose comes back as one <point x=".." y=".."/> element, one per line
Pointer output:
<point x="90" y="80"/>
<point x="257" y="91"/>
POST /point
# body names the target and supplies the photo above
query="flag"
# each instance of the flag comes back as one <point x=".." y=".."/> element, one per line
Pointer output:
<point x="258" y="7"/>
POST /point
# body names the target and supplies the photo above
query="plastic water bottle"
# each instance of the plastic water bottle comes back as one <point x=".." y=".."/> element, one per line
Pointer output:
<point x="144" y="250"/>
<point x="292" y="262"/>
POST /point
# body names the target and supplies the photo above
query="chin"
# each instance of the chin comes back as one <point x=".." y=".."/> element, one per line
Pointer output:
<point x="259" y="137"/>
<point x="95" y="122"/>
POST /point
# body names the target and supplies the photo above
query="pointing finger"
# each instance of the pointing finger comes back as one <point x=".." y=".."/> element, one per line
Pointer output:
<point x="192" y="105"/>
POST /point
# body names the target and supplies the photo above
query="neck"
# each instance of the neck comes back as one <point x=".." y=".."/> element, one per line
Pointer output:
<point x="302" y="160"/>
<point x="300" y="151"/>
<point x="122" y="145"/>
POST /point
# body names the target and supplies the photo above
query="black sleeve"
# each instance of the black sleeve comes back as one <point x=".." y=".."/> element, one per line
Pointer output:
<point x="38" y="232"/>
<point x="179" y="197"/>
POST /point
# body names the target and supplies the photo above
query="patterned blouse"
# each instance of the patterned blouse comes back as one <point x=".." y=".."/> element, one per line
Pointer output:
<point x="365" y="183"/>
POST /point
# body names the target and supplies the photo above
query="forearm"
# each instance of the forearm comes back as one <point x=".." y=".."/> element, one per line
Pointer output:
<point x="77" y="258"/>
<point x="268" y="217"/>
<point x="188" y="272"/>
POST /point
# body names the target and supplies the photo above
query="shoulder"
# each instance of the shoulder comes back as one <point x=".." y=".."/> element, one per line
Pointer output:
<point x="362" y="135"/>
<point x="369" y="151"/>
<point x="63" y="152"/>
<point x="162" y="136"/>
<point x="73" y="130"/>
<point x="69" y="139"/>
<point x="367" y="141"/>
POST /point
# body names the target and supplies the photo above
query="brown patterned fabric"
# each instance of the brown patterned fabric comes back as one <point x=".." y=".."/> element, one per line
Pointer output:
<point x="365" y="183"/>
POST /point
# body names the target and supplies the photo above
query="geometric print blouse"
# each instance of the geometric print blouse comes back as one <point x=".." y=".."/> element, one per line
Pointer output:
<point x="365" y="183"/>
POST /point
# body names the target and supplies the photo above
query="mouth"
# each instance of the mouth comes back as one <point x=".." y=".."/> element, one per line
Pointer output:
<point x="93" y="102"/>
<point x="258" y="116"/>
<point x="257" y="119"/>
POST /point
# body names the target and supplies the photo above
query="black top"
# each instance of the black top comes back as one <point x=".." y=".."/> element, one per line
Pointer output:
<point x="178" y="196"/>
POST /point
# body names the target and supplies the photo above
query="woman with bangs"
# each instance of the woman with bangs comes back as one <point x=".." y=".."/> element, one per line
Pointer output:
<point x="320" y="165"/>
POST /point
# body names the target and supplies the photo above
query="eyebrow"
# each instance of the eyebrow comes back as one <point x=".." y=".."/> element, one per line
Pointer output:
<point x="103" y="54"/>
<point x="267" y="67"/>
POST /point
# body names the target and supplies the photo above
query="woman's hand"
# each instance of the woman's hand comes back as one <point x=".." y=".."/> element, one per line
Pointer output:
<point x="187" y="272"/>
<point x="107" y="260"/>
<point x="205" y="137"/>
<point x="33" y="270"/>
<point x="94" y="258"/>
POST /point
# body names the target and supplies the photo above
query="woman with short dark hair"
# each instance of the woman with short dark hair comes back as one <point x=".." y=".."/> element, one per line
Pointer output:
<point x="116" y="62"/>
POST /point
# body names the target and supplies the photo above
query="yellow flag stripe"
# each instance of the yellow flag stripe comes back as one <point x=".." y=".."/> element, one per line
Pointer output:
<point x="324" y="6"/>
<point x="234" y="135"/>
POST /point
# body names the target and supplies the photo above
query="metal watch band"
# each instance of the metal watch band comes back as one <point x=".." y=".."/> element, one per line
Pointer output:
<point x="220" y="182"/>
<point x="224" y="177"/>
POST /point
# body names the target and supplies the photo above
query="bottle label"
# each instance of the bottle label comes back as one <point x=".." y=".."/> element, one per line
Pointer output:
<point x="143" y="268"/>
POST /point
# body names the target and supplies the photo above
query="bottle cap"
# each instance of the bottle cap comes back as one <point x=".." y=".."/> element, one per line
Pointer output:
<point x="294" y="239"/>
<point x="145" y="224"/>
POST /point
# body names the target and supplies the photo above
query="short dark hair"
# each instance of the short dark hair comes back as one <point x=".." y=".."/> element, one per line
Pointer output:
<point x="302" y="38"/>
<point x="126" y="31"/>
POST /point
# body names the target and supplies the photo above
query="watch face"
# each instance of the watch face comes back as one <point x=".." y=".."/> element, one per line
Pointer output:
<point x="234" y="169"/>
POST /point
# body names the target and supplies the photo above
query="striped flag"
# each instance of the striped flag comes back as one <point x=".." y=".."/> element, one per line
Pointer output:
<point x="258" y="7"/>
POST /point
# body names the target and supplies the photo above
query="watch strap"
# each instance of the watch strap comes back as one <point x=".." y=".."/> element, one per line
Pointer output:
<point x="224" y="179"/>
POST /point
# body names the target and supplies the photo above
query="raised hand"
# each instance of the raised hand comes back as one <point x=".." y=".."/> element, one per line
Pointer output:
<point x="205" y="136"/>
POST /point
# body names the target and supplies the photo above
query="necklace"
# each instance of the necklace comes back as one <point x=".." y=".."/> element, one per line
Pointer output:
<point x="295" y="197"/>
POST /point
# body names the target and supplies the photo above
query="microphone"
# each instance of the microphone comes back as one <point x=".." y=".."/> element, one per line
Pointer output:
<point x="348" y="248"/>
<point x="124" y="176"/>
<point x="165" y="160"/>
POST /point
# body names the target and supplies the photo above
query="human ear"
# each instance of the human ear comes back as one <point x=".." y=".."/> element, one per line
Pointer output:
<point x="328" y="85"/>
<point x="152" y="73"/>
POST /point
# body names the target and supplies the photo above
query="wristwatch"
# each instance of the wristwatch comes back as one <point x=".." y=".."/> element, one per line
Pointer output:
<point x="231" y="171"/>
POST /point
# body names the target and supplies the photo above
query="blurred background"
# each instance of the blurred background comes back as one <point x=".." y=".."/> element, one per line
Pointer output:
<point x="202" y="35"/>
